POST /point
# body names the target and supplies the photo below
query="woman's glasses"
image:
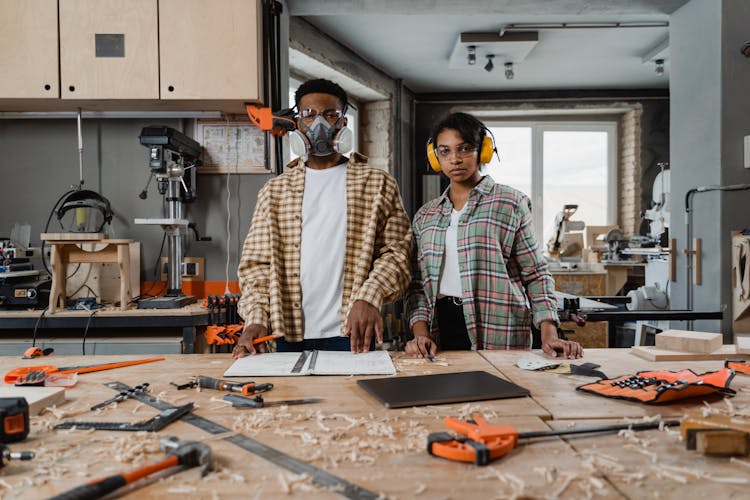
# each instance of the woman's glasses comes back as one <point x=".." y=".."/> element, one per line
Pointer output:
<point x="462" y="151"/>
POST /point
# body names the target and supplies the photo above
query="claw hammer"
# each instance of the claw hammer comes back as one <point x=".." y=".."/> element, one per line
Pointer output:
<point x="187" y="454"/>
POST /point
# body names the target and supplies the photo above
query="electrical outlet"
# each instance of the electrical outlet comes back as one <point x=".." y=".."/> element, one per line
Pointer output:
<point x="193" y="268"/>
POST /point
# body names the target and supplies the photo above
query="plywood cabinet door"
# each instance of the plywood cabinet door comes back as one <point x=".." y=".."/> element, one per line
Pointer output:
<point x="109" y="49"/>
<point x="28" y="49"/>
<point x="210" y="49"/>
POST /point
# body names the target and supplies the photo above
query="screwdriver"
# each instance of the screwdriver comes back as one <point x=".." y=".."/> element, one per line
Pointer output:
<point x="122" y="396"/>
<point x="6" y="455"/>
<point x="244" y="388"/>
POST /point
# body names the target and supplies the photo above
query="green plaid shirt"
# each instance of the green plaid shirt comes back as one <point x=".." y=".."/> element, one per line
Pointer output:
<point x="504" y="277"/>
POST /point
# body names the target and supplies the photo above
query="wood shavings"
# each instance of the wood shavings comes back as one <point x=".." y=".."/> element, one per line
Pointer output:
<point x="548" y="473"/>
<point x="182" y="490"/>
<point x="5" y="485"/>
<point x="294" y="483"/>
<point x="637" y="448"/>
<point x="421" y="488"/>
<point x="736" y="460"/>
<point x="138" y="406"/>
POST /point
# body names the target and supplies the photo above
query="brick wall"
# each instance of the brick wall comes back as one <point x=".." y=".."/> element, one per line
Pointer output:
<point x="629" y="182"/>
<point x="376" y="141"/>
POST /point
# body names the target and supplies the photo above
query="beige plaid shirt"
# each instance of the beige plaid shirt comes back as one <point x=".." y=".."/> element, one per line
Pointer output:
<point x="378" y="247"/>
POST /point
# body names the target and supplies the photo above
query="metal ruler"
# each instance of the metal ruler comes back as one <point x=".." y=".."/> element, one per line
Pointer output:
<point x="157" y="423"/>
<point x="277" y="457"/>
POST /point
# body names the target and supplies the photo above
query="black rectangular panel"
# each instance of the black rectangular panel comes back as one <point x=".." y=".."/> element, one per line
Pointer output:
<point x="400" y="392"/>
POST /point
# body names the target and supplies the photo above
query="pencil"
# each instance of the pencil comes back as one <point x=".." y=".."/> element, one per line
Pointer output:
<point x="266" y="338"/>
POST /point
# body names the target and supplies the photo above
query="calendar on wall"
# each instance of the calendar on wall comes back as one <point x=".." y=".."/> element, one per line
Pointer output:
<point x="234" y="146"/>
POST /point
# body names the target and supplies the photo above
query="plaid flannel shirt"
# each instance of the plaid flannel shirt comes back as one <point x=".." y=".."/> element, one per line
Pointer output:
<point x="504" y="277"/>
<point x="376" y="262"/>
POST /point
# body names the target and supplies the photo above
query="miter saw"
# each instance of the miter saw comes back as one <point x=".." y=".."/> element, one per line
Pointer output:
<point x="566" y="243"/>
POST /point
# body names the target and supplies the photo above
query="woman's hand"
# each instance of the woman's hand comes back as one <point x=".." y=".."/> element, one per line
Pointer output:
<point x="553" y="346"/>
<point x="421" y="346"/>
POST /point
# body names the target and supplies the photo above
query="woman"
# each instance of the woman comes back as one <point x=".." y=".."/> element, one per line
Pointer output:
<point x="480" y="279"/>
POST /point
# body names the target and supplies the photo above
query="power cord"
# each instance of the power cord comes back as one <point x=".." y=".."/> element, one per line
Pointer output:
<point x="36" y="326"/>
<point x="86" y="330"/>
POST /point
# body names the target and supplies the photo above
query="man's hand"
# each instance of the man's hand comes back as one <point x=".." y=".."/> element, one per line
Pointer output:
<point x="552" y="345"/>
<point x="421" y="347"/>
<point x="364" y="319"/>
<point x="245" y="345"/>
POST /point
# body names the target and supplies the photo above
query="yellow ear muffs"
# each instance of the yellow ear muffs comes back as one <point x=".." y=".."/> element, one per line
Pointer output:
<point x="485" y="152"/>
<point x="432" y="158"/>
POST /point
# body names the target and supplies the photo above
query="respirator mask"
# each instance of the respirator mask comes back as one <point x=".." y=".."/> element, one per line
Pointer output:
<point x="320" y="138"/>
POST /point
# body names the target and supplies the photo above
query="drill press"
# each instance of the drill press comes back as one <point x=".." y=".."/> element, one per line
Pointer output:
<point x="173" y="159"/>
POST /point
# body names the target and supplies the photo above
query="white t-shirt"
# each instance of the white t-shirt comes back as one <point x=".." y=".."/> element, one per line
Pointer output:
<point x="450" y="276"/>
<point x="323" y="250"/>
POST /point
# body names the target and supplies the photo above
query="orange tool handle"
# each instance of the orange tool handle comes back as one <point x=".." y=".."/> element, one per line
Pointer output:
<point x="103" y="486"/>
<point x="14" y="375"/>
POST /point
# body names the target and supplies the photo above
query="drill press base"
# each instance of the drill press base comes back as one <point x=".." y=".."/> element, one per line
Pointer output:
<point x="167" y="302"/>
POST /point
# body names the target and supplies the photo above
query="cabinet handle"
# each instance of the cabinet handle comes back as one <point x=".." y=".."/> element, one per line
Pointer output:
<point x="170" y="88"/>
<point x="72" y="88"/>
<point x="47" y="86"/>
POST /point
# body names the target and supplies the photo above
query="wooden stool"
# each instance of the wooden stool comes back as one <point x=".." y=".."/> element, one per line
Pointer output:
<point x="68" y="251"/>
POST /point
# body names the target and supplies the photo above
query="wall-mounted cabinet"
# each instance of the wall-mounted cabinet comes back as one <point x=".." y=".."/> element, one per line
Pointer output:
<point x="28" y="49"/>
<point x="210" y="49"/>
<point x="109" y="49"/>
<point x="114" y="52"/>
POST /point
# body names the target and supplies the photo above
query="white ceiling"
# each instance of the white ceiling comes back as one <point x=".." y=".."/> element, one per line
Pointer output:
<point x="413" y="40"/>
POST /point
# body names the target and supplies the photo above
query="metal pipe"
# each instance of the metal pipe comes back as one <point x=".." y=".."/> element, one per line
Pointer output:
<point x="80" y="150"/>
<point x="689" y="235"/>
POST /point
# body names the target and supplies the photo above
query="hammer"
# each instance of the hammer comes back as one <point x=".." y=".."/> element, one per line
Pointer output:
<point x="186" y="454"/>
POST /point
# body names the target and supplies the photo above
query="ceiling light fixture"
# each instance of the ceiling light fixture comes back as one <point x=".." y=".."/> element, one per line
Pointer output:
<point x="488" y="67"/>
<point x="472" y="57"/>
<point x="509" y="71"/>
<point x="560" y="26"/>
<point x="659" y="66"/>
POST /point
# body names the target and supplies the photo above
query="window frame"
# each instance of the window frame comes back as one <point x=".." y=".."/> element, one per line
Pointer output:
<point x="538" y="128"/>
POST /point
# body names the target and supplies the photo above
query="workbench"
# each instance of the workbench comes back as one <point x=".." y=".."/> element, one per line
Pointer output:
<point x="187" y="319"/>
<point x="353" y="437"/>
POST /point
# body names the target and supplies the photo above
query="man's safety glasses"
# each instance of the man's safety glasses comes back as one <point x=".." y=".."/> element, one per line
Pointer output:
<point x="331" y="115"/>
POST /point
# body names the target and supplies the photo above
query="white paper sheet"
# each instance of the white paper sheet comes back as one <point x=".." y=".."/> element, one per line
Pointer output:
<point x="281" y="364"/>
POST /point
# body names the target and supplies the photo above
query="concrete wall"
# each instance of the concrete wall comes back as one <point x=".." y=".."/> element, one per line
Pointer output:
<point x="710" y="114"/>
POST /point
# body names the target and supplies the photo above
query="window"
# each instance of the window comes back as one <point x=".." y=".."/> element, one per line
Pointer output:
<point x="558" y="163"/>
<point x="352" y="116"/>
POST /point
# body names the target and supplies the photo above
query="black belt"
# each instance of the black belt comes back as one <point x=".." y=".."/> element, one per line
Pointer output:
<point x="457" y="301"/>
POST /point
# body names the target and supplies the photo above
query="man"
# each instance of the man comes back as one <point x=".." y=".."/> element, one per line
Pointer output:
<point x="329" y="241"/>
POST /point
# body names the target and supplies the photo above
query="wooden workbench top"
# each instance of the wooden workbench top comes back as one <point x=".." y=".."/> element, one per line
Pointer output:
<point x="352" y="436"/>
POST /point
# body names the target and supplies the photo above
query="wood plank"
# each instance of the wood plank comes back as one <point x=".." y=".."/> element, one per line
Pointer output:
<point x="50" y="237"/>
<point x="742" y="343"/>
<point x="689" y="341"/>
<point x="652" y="353"/>
<point x="38" y="398"/>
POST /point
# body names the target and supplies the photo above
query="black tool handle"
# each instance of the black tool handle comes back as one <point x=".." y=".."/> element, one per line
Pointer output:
<point x="92" y="491"/>
<point x="211" y="383"/>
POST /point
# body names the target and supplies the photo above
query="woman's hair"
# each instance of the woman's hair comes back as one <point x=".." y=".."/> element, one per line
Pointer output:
<point x="468" y="127"/>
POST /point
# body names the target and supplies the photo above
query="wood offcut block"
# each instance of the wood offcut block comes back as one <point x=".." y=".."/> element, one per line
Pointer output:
<point x="687" y="341"/>
<point x="651" y="353"/>
<point x="38" y="398"/>
<point x="742" y="342"/>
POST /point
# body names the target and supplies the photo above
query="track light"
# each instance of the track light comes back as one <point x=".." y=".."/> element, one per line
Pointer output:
<point x="472" y="58"/>
<point x="509" y="71"/>
<point x="659" y="66"/>
<point x="488" y="67"/>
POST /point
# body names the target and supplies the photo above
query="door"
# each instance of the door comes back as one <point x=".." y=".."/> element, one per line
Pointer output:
<point x="28" y="49"/>
<point x="210" y="49"/>
<point x="109" y="49"/>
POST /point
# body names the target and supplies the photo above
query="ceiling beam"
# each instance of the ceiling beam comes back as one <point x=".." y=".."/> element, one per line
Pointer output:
<point x="535" y="8"/>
